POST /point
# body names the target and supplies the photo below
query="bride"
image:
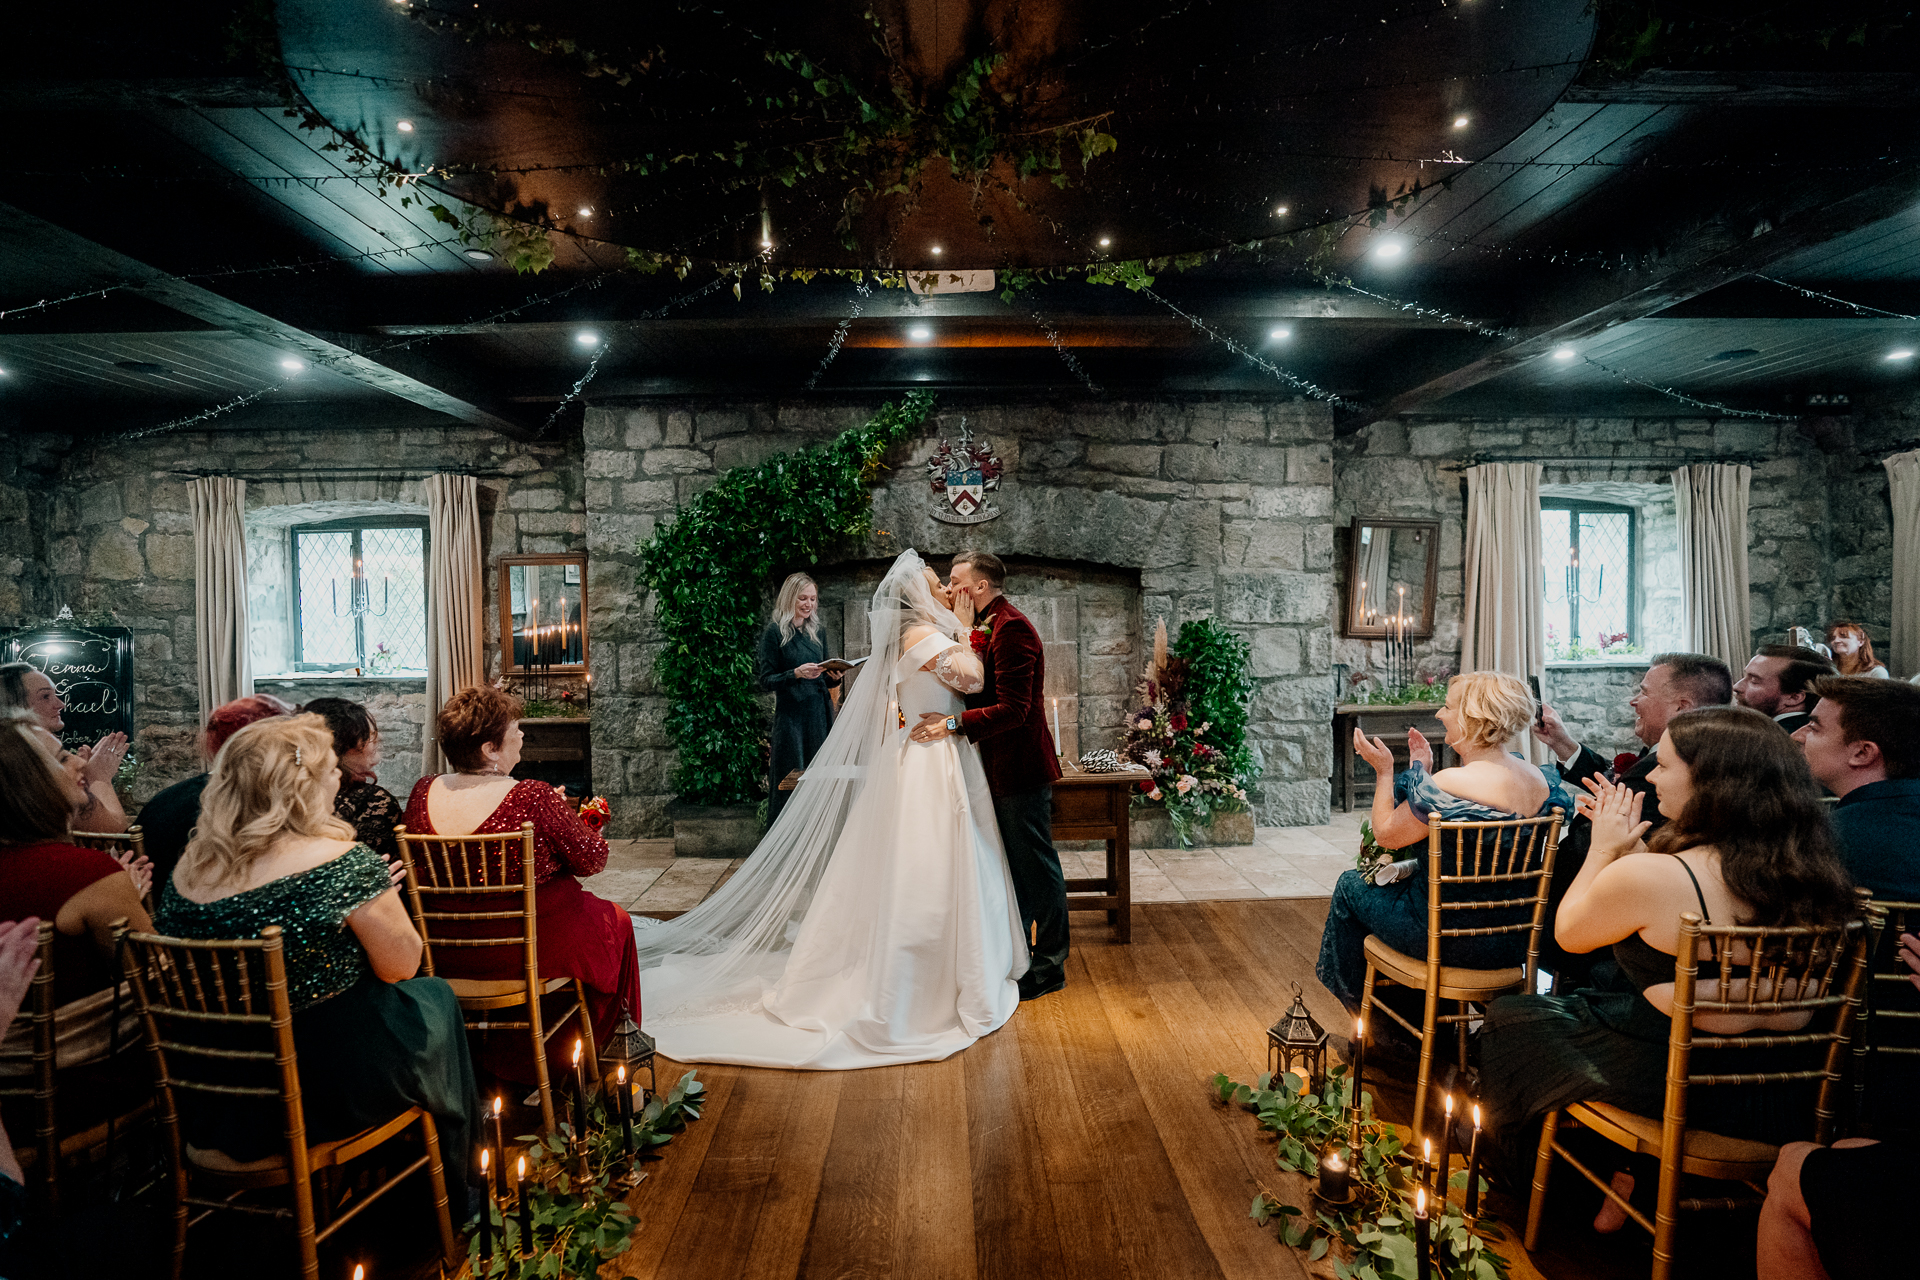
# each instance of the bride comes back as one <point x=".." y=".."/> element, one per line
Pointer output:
<point x="875" y="924"/>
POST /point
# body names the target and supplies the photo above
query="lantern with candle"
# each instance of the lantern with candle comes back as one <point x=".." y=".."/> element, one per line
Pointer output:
<point x="1298" y="1044"/>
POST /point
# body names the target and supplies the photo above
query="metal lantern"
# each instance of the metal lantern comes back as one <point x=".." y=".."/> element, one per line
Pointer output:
<point x="630" y="1045"/>
<point x="1297" y="1043"/>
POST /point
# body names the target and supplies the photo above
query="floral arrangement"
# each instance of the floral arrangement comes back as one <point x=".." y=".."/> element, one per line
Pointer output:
<point x="1368" y="689"/>
<point x="382" y="660"/>
<point x="595" y="813"/>
<point x="1193" y="771"/>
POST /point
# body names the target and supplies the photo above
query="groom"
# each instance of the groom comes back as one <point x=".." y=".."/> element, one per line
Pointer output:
<point x="1007" y="720"/>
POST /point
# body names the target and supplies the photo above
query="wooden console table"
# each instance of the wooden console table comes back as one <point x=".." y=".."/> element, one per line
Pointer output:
<point x="1089" y="806"/>
<point x="1388" y="723"/>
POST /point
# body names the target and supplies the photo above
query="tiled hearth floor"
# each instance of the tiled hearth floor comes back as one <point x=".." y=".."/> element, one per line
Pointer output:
<point x="1283" y="862"/>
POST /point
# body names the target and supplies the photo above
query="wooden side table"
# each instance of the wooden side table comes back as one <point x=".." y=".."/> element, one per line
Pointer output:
<point x="1388" y="723"/>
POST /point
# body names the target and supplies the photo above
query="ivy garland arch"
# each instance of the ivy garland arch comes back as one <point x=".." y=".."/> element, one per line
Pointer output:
<point x="705" y="569"/>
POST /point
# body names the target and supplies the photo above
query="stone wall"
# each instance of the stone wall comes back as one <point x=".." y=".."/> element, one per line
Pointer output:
<point x="398" y="705"/>
<point x="1591" y="699"/>
<point x="1220" y="507"/>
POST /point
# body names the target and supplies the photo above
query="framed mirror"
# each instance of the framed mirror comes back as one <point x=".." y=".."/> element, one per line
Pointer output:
<point x="1392" y="565"/>
<point x="543" y="611"/>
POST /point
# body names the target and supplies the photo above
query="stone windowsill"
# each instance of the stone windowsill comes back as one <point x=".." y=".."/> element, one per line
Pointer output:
<point x="326" y="677"/>
<point x="1598" y="664"/>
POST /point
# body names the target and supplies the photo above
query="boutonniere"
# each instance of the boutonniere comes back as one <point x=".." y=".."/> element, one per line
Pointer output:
<point x="982" y="632"/>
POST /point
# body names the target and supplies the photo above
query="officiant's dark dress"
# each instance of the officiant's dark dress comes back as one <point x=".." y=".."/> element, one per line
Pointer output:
<point x="802" y="709"/>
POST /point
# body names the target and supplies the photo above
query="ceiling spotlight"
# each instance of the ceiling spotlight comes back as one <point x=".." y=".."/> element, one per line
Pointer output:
<point x="1389" y="248"/>
<point x="766" y="244"/>
<point x="291" y="365"/>
<point x="1904" y="353"/>
<point x="586" y="339"/>
<point x="1459" y="122"/>
<point x="480" y="255"/>
<point x="406" y="126"/>
<point x="1281" y="212"/>
<point x="920" y="333"/>
<point x="586" y="211"/>
<point x="936" y="251"/>
<point x="1564" y="353"/>
<point x="1105" y="241"/>
<point x="1281" y="334"/>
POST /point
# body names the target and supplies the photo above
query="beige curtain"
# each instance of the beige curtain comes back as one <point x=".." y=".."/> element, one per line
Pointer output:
<point x="1903" y="486"/>
<point x="1710" y="506"/>
<point x="1504" y="625"/>
<point x="220" y="637"/>
<point x="454" y="598"/>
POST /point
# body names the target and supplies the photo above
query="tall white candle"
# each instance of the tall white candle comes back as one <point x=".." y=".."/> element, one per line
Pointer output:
<point x="1058" y="748"/>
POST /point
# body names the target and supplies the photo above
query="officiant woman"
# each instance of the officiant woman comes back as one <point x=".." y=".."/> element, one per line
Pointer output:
<point x="791" y="651"/>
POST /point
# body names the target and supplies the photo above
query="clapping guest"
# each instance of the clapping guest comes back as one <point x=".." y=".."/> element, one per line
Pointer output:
<point x="369" y="808"/>
<point x="167" y="820"/>
<point x="24" y="687"/>
<point x="1853" y="650"/>
<point x="581" y="936"/>
<point x="83" y="891"/>
<point x="791" y="651"/>
<point x="373" y="1039"/>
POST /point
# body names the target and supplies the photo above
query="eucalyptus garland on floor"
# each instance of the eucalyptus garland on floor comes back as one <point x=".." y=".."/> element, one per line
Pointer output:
<point x="707" y="568"/>
<point x="1375" y="1231"/>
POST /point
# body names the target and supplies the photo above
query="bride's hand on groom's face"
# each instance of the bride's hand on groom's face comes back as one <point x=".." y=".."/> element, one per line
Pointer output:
<point x="962" y="605"/>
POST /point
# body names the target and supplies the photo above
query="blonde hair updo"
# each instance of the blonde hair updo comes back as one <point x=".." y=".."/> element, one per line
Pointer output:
<point x="1493" y="707"/>
<point x="268" y="781"/>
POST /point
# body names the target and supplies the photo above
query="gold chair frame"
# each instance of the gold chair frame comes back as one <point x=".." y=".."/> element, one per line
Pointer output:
<point x="1527" y="856"/>
<point x="133" y="840"/>
<point x="186" y="985"/>
<point x="1824" y="969"/>
<point x="1891" y="976"/>
<point x="451" y="862"/>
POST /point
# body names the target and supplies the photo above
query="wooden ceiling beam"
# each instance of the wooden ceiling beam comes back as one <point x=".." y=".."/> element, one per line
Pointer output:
<point x="1578" y="313"/>
<point x="404" y="375"/>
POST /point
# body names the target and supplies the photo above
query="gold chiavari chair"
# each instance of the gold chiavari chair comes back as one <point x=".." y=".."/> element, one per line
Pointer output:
<point x="463" y="892"/>
<point x="1751" y="971"/>
<point x="1890" y="1020"/>
<point x="218" y="1022"/>
<point x="34" y="1026"/>
<point x="1512" y="858"/>
<point x="117" y="843"/>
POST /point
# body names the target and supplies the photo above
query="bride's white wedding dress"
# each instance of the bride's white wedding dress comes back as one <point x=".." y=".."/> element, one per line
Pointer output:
<point x="881" y="926"/>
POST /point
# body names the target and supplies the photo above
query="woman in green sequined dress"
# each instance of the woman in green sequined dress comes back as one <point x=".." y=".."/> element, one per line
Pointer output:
<point x="372" y="1038"/>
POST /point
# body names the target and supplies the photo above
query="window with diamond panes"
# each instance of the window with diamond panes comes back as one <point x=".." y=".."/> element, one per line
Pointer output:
<point x="375" y="620"/>
<point x="1587" y="579"/>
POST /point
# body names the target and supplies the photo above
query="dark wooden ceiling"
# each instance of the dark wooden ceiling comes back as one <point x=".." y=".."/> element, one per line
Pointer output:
<point x="1612" y="233"/>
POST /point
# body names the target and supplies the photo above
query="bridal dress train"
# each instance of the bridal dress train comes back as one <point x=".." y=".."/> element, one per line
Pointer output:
<point x="876" y="922"/>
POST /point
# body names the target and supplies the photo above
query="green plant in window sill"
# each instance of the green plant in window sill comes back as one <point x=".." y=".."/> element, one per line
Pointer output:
<point x="1371" y="1238"/>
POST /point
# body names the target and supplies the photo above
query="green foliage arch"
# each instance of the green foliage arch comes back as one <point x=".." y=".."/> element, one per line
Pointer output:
<point x="706" y="567"/>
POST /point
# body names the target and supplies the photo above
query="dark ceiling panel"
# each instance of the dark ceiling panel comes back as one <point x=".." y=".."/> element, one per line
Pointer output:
<point x="177" y="368"/>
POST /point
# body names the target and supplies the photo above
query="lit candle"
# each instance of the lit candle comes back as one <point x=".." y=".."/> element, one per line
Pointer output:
<point x="1446" y="1153"/>
<point x="626" y="1111"/>
<point x="1333" y="1176"/>
<point x="579" y="1095"/>
<point x="1473" y="1167"/>
<point x="1426" y="1162"/>
<point x="499" y="1149"/>
<point x="1359" y="1057"/>
<point x="359" y="1272"/>
<point x="486" y="1214"/>
<point x="1423" y="1241"/>
<point x="1058" y="747"/>
<point x="526" y="1205"/>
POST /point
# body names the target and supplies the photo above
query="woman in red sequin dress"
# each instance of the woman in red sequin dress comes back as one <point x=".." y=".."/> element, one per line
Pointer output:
<point x="581" y="936"/>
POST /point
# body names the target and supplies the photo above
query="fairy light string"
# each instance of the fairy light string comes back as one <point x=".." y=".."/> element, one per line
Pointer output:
<point x="1066" y="357"/>
<point x="1858" y="307"/>
<point x="839" y="334"/>
<point x="1267" y="366"/>
<point x="1722" y="410"/>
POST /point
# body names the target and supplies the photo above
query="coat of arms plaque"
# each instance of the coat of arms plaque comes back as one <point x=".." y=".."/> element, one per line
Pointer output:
<point x="963" y="477"/>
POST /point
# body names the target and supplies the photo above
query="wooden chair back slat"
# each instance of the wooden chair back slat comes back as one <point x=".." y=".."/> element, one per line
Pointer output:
<point x="133" y="840"/>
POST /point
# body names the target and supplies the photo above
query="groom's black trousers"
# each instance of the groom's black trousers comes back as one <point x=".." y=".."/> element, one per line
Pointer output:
<point x="1026" y="829"/>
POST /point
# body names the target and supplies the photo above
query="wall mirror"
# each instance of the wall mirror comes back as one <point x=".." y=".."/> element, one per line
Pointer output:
<point x="1391" y="569"/>
<point x="543" y="611"/>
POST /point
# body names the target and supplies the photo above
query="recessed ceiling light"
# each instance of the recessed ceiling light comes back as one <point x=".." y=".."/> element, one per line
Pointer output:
<point x="1904" y="353"/>
<point x="586" y="339"/>
<point x="586" y="211"/>
<point x="480" y="255"/>
<point x="1564" y="353"/>
<point x="1281" y="212"/>
<point x="1282" y="334"/>
<point x="406" y="126"/>
<point x="1105" y="241"/>
<point x="292" y="365"/>
<point x="1459" y="122"/>
<point x="936" y="250"/>
<point x="920" y="333"/>
<point x="766" y="244"/>
<point x="1390" y="247"/>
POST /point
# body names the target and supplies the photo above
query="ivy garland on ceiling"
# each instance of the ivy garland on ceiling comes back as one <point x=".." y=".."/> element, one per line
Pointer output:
<point x="707" y="567"/>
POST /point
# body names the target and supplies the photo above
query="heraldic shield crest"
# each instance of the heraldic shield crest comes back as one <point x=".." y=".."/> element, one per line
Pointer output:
<point x="964" y="477"/>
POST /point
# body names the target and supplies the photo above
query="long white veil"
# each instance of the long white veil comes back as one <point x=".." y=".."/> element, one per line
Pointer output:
<point x="722" y="955"/>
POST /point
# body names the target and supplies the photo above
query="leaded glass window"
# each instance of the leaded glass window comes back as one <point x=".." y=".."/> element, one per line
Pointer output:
<point x="360" y="596"/>
<point x="1587" y="579"/>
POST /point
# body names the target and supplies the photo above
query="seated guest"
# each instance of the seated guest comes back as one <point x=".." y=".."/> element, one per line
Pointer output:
<point x="1484" y="711"/>
<point x="167" y="819"/>
<point x="1674" y="682"/>
<point x="1778" y="682"/>
<point x="1817" y="1200"/>
<point x="24" y="687"/>
<point x="372" y="1038"/>
<point x="1853" y="651"/>
<point x="369" y="808"/>
<point x="1863" y="744"/>
<point x="581" y="936"/>
<point x="17" y="967"/>
<point x="1746" y="840"/>
<point x="83" y="891"/>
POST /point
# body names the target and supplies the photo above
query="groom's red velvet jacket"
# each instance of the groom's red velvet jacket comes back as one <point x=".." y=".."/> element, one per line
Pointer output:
<point x="1008" y="717"/>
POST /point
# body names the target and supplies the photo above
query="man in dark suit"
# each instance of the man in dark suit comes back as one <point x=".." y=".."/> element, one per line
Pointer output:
<point x="1778" y="682"/>
<point x="1007" y="719"/>
<point x="1674" y="682"/>
<point x="1863" y="744"/>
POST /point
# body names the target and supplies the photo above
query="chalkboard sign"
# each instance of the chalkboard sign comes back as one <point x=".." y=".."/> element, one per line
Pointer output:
<point x="91" y="667"/>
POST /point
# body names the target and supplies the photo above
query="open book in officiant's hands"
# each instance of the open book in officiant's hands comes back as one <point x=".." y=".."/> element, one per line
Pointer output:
<point x="840" y="664"/>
